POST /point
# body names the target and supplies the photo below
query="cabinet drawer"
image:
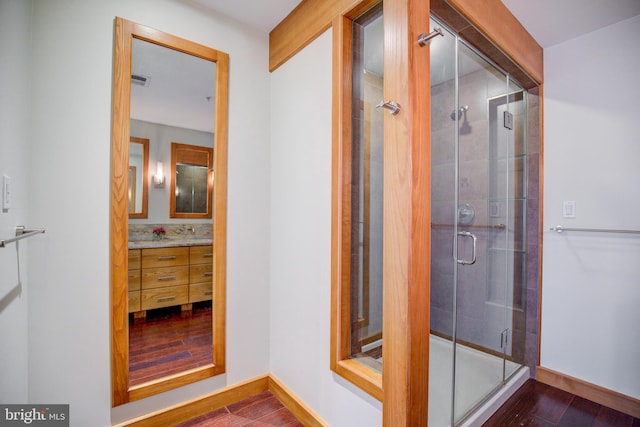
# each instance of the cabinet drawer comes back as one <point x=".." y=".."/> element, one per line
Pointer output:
<point x="200" y="292"/>
<point x="134" y="301"/>
<point x="134" y="258"/>
<point x="164" y="276"/>
<point x="134" y="280"/>
<point x="165" y="297"/>
<point x="165" y="257"/>
<point x="201" y="254"/>
<point x="201" y="273"/>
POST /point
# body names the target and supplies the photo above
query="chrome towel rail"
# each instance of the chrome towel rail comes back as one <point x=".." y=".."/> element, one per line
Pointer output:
<point x="21" y="233"/>
<point x="561" y="229"/>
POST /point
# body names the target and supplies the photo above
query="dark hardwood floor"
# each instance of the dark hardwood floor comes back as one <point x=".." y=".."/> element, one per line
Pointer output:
<point x="173" y="342"/>
<point x="261" y="410"/>
<point x="534" y="405"/>
<point x="539" y="405"/>
<point x="168" y="342"/>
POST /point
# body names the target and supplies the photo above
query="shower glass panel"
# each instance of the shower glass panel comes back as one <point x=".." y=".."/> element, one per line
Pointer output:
<point x="443" y="225"/>
<point x="366" y="190"/>
<point x="478" y="167"/>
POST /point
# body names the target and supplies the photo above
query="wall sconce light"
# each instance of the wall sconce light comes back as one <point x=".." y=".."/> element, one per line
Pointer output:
<point x="158" y="178"/>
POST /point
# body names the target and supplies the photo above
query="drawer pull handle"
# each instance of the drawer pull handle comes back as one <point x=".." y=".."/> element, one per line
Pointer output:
<point x="209" y="292"/>
<point x="167" y="278"/>
<point x="166" y="258"/>
<point x="207" y="255"/>
<point x="208" y="273"/>
<point x="160" y="299"/>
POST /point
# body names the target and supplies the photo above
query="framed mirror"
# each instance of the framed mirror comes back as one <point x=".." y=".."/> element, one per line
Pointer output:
<point x="138" y="182"/>
<point x="132" y="268"/>
<point x="191" y="181"/>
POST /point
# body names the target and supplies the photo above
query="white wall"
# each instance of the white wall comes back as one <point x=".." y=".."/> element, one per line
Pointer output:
<point x="69" y="344"/>
<point x="591" y="282"/>
<point x="301" y="239"/>
<point x="15" y="49"/>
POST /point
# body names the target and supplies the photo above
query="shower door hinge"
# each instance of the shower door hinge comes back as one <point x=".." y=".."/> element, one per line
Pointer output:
<point x="508" y="120"/>
<point x="504" y="338"/>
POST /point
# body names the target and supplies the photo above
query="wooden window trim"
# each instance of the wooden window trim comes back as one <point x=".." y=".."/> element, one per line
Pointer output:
<point x="362" y="376"/>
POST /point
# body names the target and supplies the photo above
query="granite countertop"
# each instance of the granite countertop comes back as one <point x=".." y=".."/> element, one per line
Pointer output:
<point x="170" y="242"/>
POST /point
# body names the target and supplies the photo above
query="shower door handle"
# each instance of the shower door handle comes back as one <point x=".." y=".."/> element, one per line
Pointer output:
<point x="474" y="239"/>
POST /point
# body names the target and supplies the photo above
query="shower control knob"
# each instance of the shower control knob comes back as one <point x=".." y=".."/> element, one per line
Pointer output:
<point x="392" y="106"/>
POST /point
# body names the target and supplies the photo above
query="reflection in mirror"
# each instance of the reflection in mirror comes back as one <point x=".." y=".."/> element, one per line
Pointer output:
<point x="191" y="188"/>
<point x="138" y="196"/>
<point x="192" y="181"/>
<point x="163" y="272"/>
<point x="132" y="189"/>
<point x="170" y="327"/>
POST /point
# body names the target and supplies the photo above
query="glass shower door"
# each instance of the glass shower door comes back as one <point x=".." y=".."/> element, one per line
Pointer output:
<point x="480" y="320"/>
<point x="477" y="210"/>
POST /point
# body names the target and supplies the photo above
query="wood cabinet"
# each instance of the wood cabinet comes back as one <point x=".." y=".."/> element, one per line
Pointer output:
<point x="200" y="273"/>
<point x="164" y="277"/>
<point x="134" y="280"/>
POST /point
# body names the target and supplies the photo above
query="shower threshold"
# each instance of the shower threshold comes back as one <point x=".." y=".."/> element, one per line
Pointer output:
<point x="479" y="386"/>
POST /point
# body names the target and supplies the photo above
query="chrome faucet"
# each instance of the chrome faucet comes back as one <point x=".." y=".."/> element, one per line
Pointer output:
<point x="189" y="228"/>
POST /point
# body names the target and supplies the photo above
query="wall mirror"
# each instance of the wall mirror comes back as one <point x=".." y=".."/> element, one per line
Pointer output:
<point x="138" y="179"/>
<point x="164" y="270"/>
<point x="191" y="181"/>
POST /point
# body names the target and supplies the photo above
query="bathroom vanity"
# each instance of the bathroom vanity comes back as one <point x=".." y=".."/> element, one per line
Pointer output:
<point x="167" y="273"/>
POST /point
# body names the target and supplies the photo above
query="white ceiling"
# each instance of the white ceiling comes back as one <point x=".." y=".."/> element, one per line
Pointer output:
<point x="555" y="21"/>
<point x="261" y="14"/>
<point x="181" y="87"/>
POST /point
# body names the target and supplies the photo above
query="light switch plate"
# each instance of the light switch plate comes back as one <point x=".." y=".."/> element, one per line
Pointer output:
<point x="6" y="192"/>
<point x="568" y="209"/>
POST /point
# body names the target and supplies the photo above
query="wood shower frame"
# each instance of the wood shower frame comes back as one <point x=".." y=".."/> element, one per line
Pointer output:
<point x="406" y="169"/>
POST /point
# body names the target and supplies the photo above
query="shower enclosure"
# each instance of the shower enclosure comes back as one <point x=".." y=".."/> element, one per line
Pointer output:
<point x="478" y="219"/>
<point x="478" y="249"/>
